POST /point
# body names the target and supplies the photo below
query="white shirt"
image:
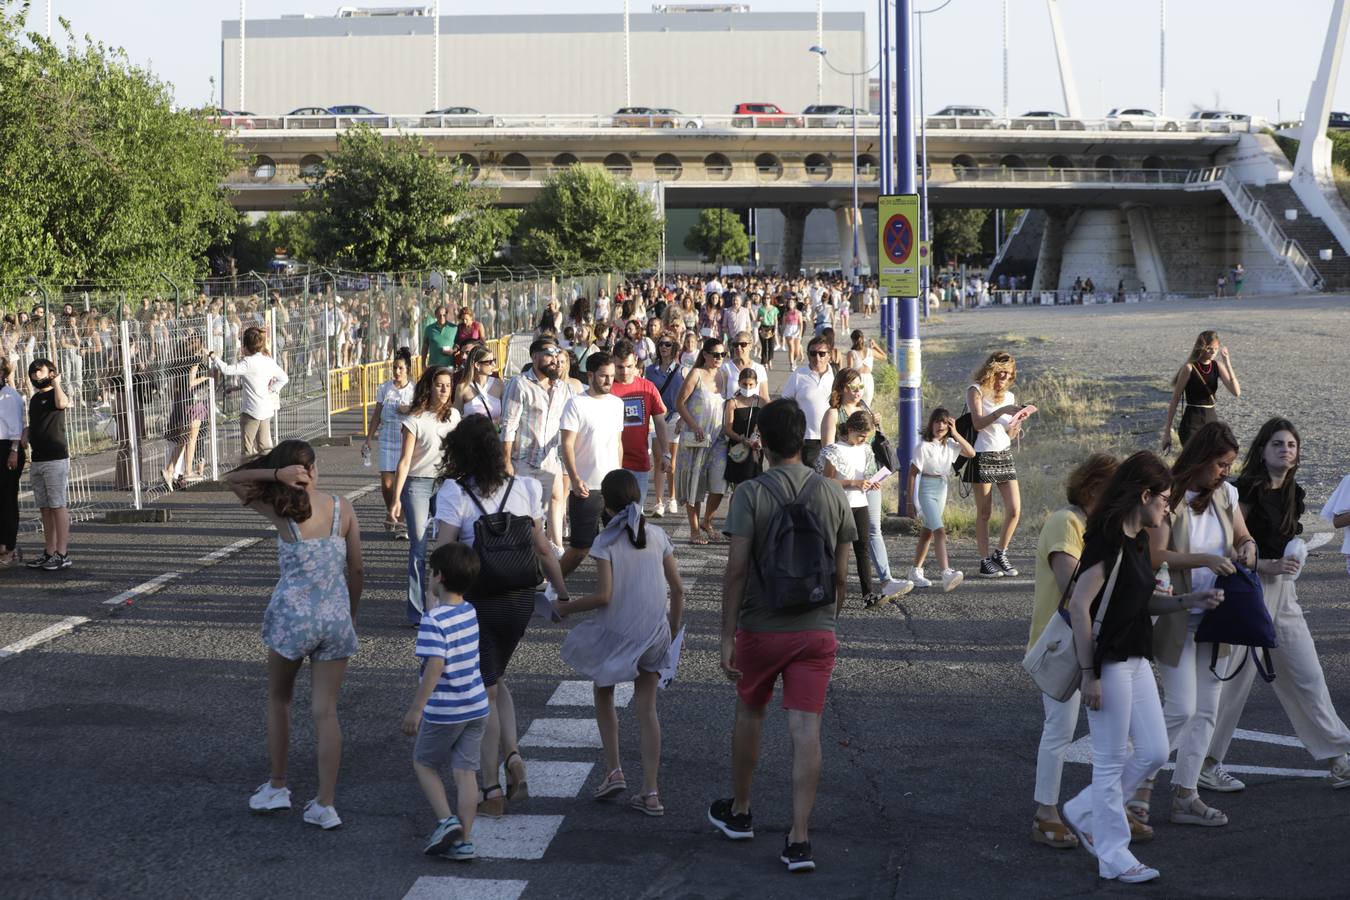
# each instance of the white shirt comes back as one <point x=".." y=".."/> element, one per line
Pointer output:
<point x="932" y="458"/>
<point x="429" y="434"/>
<point x="812" y="393"/>
<point x="1206" y="534"/>
<point x="11" y="415"/>
<point x="598" y="425"/>
<point x="994" y="437"/>
<point x="454" y="507"/>
<point x="390" y="397"/>
<point x="1338" y="503"/>
<point x="729" y="376"/>
<point x="262" y="378"/>
<point x="850" y="463"/>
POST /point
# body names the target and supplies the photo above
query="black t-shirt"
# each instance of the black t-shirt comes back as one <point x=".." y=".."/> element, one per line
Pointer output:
<point x="46" y="427"/>
<point x="1127" y="629"/>
<point x="1266" y="519"/>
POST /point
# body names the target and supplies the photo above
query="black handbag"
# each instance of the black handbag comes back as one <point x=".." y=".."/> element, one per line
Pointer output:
<point x="882" y="448"/>
<point x="965" y="426"/>
<point x="507" y="556"/>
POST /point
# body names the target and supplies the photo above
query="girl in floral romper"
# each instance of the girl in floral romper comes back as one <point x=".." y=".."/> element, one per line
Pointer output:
<point x="310" y="614"/>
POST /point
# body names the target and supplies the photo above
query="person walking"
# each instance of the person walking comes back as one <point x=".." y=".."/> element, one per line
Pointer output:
<point x="863" y="352"/>
<point x="729" y="373"/>
<point x="811" y="386"/>
<point x="424" y="426"/>
<point x="474" y="484"/>
<point x="262" y="380"/>
<point x="740" y="424"/>
<point x="480" y="390"/>
<point x="1205" y="534"/>
<point x="668" y="376"/>
<point x="1272" y="502"/>
<point x="701" y="478"/>
<point x="592" y="447"/>
<point x="49" y="469"/>
<point x="1198" y="381"/>
<point x="937" y="449"/>
<point x="532" y="407"/>
<point x="629" y="637"/>
<point x="186" y="412"/>
<point x="644" y="415"/>
<point x="1058" y="550"/>
<point x="390" y="397"/>
<point x="850" y="461"/>
<point x="438" y="340"/>
<point x="763" y="640"/>
<point x="1125" y="719"/>
<point x="768" y="333"/>
<point x="310" y="613"/>
<point x="992" y="406"/>
<point x="13" y="455"/>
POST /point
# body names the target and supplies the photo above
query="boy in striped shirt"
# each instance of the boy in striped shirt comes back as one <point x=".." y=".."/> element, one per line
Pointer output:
<point x="450" y="708"/>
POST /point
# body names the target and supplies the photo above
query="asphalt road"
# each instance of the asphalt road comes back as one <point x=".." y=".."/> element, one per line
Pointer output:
<point x="128" y="748"/>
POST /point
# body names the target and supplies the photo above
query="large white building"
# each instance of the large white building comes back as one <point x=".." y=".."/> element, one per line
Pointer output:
<point x="392" y="61"/>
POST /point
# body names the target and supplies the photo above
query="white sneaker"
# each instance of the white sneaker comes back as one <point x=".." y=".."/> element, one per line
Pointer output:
<point x="894" y="588"/>
<point x="916" y="576"/>
<point x="269" y="799"/>
<point x="1216" y="778"/>
<point x="325" y="817"/>
<point x="1138" y="874"/>
<point x="558" y="551"/>
<point x="1340" y="772"/>
<point x="950" y="579"/>
<point x="673" y="508"/>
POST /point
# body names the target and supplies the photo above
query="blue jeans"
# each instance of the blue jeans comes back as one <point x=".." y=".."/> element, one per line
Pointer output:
<point x="644" y="479"/>
<point x="418" y="501"/>
<point x="881" y="560"/>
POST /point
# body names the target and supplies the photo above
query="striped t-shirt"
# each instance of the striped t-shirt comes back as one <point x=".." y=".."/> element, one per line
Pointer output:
<point x="451" y="633"/>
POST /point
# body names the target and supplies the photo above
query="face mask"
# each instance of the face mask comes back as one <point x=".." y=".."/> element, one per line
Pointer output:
<point x="42" y="383"/>
<point x="747" y="391"/>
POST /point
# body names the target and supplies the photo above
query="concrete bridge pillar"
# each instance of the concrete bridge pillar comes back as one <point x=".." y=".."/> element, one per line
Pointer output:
<point x="844" y="218"/>
<point x="1148" y="258"/>
<point x="794" y="232"/>
<point x="1051" y="257"/>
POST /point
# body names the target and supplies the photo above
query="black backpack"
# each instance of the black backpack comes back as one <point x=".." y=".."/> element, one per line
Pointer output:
<point x="798" y="574"/>
<point x="505" y="545"/>
<point x="966" y="428"/>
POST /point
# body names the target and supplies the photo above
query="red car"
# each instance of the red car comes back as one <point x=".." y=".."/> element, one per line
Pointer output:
<point x="764" y="115"/>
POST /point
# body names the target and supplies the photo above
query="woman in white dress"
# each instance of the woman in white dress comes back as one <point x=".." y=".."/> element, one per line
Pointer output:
<point x="862" y="353"/>
<point x="480" y="391"/>
<point x="391" y="398"/>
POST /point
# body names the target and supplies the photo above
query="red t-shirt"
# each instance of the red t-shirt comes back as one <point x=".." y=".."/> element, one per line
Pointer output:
<point x="641" y="401"/>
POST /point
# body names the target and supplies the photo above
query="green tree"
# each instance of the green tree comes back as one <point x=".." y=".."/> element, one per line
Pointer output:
<point x="956" y="232"/>
<point x="252" y="245"/>
<point x="103" y="181"/>
<point x="718" y="235"/>
<point x="393" y="205"/>
<point x="586" y="219"/>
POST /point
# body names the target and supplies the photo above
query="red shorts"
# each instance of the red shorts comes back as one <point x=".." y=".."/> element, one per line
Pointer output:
<point x="805" y="659"/>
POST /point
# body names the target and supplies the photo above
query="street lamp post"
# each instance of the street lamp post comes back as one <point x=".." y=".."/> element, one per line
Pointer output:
<point x="853" y="110"/>
<point x="907" y="356"/>
<point x="925" y="224"/>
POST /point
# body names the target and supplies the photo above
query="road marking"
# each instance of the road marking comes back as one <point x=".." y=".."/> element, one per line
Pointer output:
<point x="142" y="589"/>
<point x="579" y="693"/>
<point x="51" y="632"/>
<point x="514" y="837"/>
<point x="555" y="779"/>
<point x="1080" y="751"/>
<point x="562" y="733"/>
<point x="216" y="556"/>
<point x="431" y="887"/>
<point x="1284" y="740"/>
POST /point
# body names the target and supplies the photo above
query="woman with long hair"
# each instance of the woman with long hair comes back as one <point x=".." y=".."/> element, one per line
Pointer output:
<point x="992" y="406"/>
<point x="425" y="424"/>
<point x="667" y="375"/>
<point x="792" y="333"/>
<point x="310" y="613"/>
<point x="475" y="484"/>
<point x="392" y="396"/>
<point x="1129" y="736"/>
<point x="188" y="371"/>
<point x="1202" y="538"/>
<point x="703" y="465"/>
<point x="1272" y="503"/>
<point x="480" y="391"/>
<point x="849" y="460"/>
<point x="1198" y="380"/>
<point x="863" y="352"/>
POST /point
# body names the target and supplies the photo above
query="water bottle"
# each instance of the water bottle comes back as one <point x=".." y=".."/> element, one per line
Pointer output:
<point x="1162" y="581"/>
<point x="365" y="455"/>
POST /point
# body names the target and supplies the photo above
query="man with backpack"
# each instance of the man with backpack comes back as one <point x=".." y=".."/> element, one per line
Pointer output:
<point x="790" y="532"/>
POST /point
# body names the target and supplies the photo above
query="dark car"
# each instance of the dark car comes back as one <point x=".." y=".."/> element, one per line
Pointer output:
<point x="764" y="115"/>
<point x="461" y="117"/>
<point x="1339" y="121"/>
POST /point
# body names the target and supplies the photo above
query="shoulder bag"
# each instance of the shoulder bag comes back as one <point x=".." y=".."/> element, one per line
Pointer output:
<point x="1242" y="620"/>
<point x="882" y="448"/>
<point x="1051" y="662"/>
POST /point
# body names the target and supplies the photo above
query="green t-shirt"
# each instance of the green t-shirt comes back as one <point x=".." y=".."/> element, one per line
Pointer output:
<point x="434" y="337"/>
<point x="751" y="514"/>
<point x="1062" y="533"/>
<point x="768" y="315"/>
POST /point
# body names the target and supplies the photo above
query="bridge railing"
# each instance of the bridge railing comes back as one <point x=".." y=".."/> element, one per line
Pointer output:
<point x="1069" y="176"/>
<point x="1254" y="212"/>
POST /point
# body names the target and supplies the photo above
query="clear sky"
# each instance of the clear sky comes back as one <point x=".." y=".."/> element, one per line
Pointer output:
<point x="1250" y="56"/>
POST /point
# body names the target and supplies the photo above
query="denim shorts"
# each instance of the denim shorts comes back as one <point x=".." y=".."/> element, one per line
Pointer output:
<point x="458" y="743"/>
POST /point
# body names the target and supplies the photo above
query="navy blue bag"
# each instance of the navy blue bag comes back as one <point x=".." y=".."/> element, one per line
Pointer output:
<point x="1241" y="620"/>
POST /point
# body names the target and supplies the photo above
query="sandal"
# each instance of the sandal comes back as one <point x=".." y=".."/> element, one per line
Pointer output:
<point x="1137" y="806"/>
<point x="1139" y="832"/>
<point x="490" y="806"/>
<point x="519" y="789"/>
<point x="698" y="539"/>
<point x="650" y="804"/>
<point x="1053" y="834"/>
<point x="714" y="537"/>
<point x="612" y="786"/>
<point x="1194" y="811"/>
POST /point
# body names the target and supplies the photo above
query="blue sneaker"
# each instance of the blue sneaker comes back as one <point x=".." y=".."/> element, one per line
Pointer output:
<point x="462" y="851"/>
<point x="444" y="836"/>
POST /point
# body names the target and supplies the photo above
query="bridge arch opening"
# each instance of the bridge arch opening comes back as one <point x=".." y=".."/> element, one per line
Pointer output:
<point x="769" y="166"/>
<point x="311" y="167"/>
<point x="1153" y="162"/>
<point x="867" y="166"/>
<point x="818" y="167"/>
<point x="515" y="167"/>
<point x="1060" y="162"/>
<point x="264" y="168"/>
<point x="619" y="164"/>
<point x="964" y="165"/>
<point x="668" y="166"/>
<point x="470" y="163"/>
<point x="1107" y="161"/>
<point x="717" y="166"/>
<point x="1012" y="161"/>
<point x="563" y="160"/>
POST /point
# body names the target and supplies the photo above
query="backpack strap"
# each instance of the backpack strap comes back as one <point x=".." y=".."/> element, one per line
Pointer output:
<point x="464" y="486"/>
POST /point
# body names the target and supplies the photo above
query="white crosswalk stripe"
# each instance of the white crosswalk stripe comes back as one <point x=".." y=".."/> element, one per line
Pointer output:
<point x="431" y="887"/>
<point x="579" y="693"/>
<point x="562" y="733"/>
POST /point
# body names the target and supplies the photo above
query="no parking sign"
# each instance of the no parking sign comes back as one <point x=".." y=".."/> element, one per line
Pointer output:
<point x="898" y="243"/>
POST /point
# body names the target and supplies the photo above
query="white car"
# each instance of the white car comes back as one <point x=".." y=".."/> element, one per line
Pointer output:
<point x="1135" y="118"/>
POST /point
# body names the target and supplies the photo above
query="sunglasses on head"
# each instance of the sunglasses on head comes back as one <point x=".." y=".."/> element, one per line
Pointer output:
<point x="549" y="351"/>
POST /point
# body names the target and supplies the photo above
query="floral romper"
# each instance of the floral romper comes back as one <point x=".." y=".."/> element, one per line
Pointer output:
<point x="310" y="612"/>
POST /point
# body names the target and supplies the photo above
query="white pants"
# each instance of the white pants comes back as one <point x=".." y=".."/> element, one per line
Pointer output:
<point x="1299" y="684"/>
<point x="1191" y="692"/>
<point x="1056" y="735"/>
<point x="1131" y="716"/>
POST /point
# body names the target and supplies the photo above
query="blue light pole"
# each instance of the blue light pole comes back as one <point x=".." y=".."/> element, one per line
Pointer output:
<point x="905" y="351"/>
<point x="887" y="142"/>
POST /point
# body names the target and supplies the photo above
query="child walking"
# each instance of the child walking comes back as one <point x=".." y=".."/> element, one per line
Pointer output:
<point x="937" y="449"/>
<point x="450" y="707"/>
<point x="629" y="638"/>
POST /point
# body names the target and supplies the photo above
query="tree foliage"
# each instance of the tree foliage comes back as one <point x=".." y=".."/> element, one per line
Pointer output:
<point x="956" y="232"/>
<point x="393" y="205"/>
<point x="102" y="180"/>
<point x="252" y="245"/>
<point x="586" y="219"/>
<point x="718" y="235"/>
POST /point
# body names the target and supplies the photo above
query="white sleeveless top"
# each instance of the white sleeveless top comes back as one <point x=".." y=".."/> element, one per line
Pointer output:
<point x="485" y="404"/>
